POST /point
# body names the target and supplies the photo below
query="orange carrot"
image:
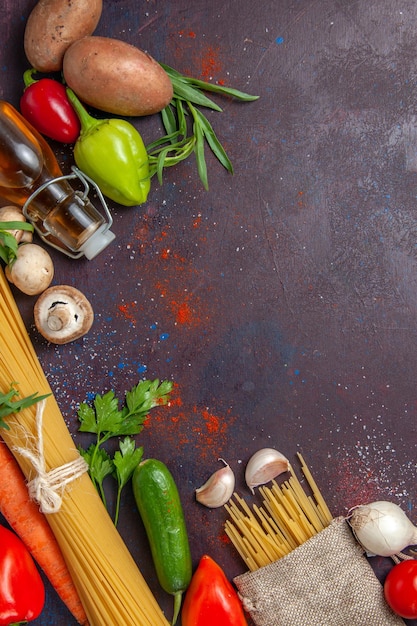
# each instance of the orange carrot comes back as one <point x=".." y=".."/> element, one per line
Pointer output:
<point x="31" y="525"/>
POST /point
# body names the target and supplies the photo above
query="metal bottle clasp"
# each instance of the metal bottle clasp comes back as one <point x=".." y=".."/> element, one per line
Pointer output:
<point x="45" y="234"/>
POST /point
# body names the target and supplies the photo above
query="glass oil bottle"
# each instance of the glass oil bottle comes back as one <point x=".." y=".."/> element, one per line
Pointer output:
<point x="31" y="178"/>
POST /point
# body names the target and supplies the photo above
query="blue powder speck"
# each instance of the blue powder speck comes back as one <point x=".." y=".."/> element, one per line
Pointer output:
<point x="279" y="40"/>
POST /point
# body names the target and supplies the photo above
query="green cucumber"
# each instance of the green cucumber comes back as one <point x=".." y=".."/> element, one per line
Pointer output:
<point x="159" y="505"/>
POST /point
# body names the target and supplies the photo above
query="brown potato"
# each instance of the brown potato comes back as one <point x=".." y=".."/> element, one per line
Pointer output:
<point x="54" y="25"/>
<point x="116" y="77"/>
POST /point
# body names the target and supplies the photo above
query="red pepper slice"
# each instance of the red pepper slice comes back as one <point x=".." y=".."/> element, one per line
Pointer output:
<point x="22" y="592"/>
<point x="211" y="600"/>
<point x="45" y="104"/>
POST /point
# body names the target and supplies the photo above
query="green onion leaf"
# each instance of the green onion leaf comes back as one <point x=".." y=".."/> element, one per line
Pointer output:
<point x="188" y="95"/>
<point x="214" y="142"/>
<point x="169" y="121"/>
<point x="199" y="149"/>
<point x="213" y="87"/>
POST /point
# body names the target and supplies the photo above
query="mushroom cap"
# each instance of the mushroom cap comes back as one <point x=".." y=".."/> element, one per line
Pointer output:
<point x="63" y="314"/>
<point x="33" y="269"/>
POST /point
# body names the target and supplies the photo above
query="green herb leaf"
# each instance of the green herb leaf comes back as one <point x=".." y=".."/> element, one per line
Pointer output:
<point x="188" y="95"/>
<point x="199" y="154"/>
<point x="87" y="417"/>
<point x="186" y="91"/>
<point x="224" y="91"/>
<point x="181" y="115"/>
<point x="169" y="121"/>
<point x="100" y="462"/>
<point x="213" y="141"/>
<point x="14" y="225"/>
<point x="8" y="243"/>
<point x="8" y="248"/>
<point x="211" y="87"/>
<point x="8" y="406"/>
<point x="161" y="163"/>
<point x="145" y="396"/>
<point x="100" y="466"/>
<point x="125" y="461"/>
<point x="105" y="420"/>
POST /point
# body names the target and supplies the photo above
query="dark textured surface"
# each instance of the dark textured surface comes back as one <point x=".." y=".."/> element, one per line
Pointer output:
<point x="282" y="302"/>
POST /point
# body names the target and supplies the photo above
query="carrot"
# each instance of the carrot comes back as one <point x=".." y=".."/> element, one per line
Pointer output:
<point x="31" y="525"/>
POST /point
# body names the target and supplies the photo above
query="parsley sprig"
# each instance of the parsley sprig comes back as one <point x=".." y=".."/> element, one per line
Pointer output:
<point x="105" y="420"/>
<point x="187" y="129"/>
<point x="9" y="406"/>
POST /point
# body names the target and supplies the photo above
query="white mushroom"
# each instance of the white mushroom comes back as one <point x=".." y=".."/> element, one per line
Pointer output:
<point x="13" y="213"/>
<point x="32" y="270"/>
<point x="63" y="314"/>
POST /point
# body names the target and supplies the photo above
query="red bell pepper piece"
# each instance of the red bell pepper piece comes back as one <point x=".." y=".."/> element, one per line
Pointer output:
<point x="44" y="103"/>
<point x="211" y="600"/>
<point x="22" y="592"/>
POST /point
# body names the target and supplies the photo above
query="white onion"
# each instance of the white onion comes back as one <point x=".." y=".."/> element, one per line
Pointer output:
<point x="382" y="528"/>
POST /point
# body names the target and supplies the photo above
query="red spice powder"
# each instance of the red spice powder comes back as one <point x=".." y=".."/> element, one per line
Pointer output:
<point x="190" y="34"/>
<point x="197" y="221"/>
<point x="224" y="538"/>
<point x="174" y="275"/>
<point x="183" y="313"/>
<point x="144" y="234"/>
<point x="210" y="63"/>
<point x="185" y="307"/>
<point x="174" y="422"/>
<point x="127" y="311"/>
<point x="214" y="424"/>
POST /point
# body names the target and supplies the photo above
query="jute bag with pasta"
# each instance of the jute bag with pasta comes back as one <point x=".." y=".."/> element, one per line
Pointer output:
<point x="326" y="581"/>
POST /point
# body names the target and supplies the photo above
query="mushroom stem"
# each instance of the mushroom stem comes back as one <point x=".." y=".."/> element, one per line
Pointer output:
<point x="59" y="316"/>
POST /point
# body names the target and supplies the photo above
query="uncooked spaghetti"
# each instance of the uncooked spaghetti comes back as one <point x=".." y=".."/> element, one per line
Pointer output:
<point x="288" y="518"/>
<point x="110" y="585"/>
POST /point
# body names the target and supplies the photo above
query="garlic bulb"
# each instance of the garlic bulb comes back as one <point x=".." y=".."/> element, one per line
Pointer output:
<point x="265" y="465"/>
<point x="218" y="489"/>
<point x="382" y="528"/>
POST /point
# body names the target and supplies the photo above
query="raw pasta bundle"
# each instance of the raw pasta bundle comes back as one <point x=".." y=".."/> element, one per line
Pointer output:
<point x="304" y="566"/>
<point x="288" y="518"/>
<point x="110" y="585"/>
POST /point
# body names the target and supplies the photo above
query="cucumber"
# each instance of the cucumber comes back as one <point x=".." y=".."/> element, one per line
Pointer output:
<point x="159" y="505"/>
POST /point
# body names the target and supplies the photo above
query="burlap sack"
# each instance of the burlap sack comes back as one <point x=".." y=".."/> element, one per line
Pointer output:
<point x="325" y="582"/>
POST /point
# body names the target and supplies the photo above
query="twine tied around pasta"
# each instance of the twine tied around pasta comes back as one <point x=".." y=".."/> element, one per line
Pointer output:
<point x="47" y="487"/>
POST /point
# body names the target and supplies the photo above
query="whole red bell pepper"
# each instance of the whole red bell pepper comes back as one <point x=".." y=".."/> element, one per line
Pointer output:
<point x="22" y="592"/>
<point x="44" y="103"/>
<point x="211" y="600"/>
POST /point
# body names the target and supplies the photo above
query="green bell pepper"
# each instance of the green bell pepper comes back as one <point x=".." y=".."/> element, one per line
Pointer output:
<point x="112" y="153"/>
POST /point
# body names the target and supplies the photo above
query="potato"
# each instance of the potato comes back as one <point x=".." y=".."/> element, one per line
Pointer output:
<point x="116" y="77"/>
<point x="54" y="25"/>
